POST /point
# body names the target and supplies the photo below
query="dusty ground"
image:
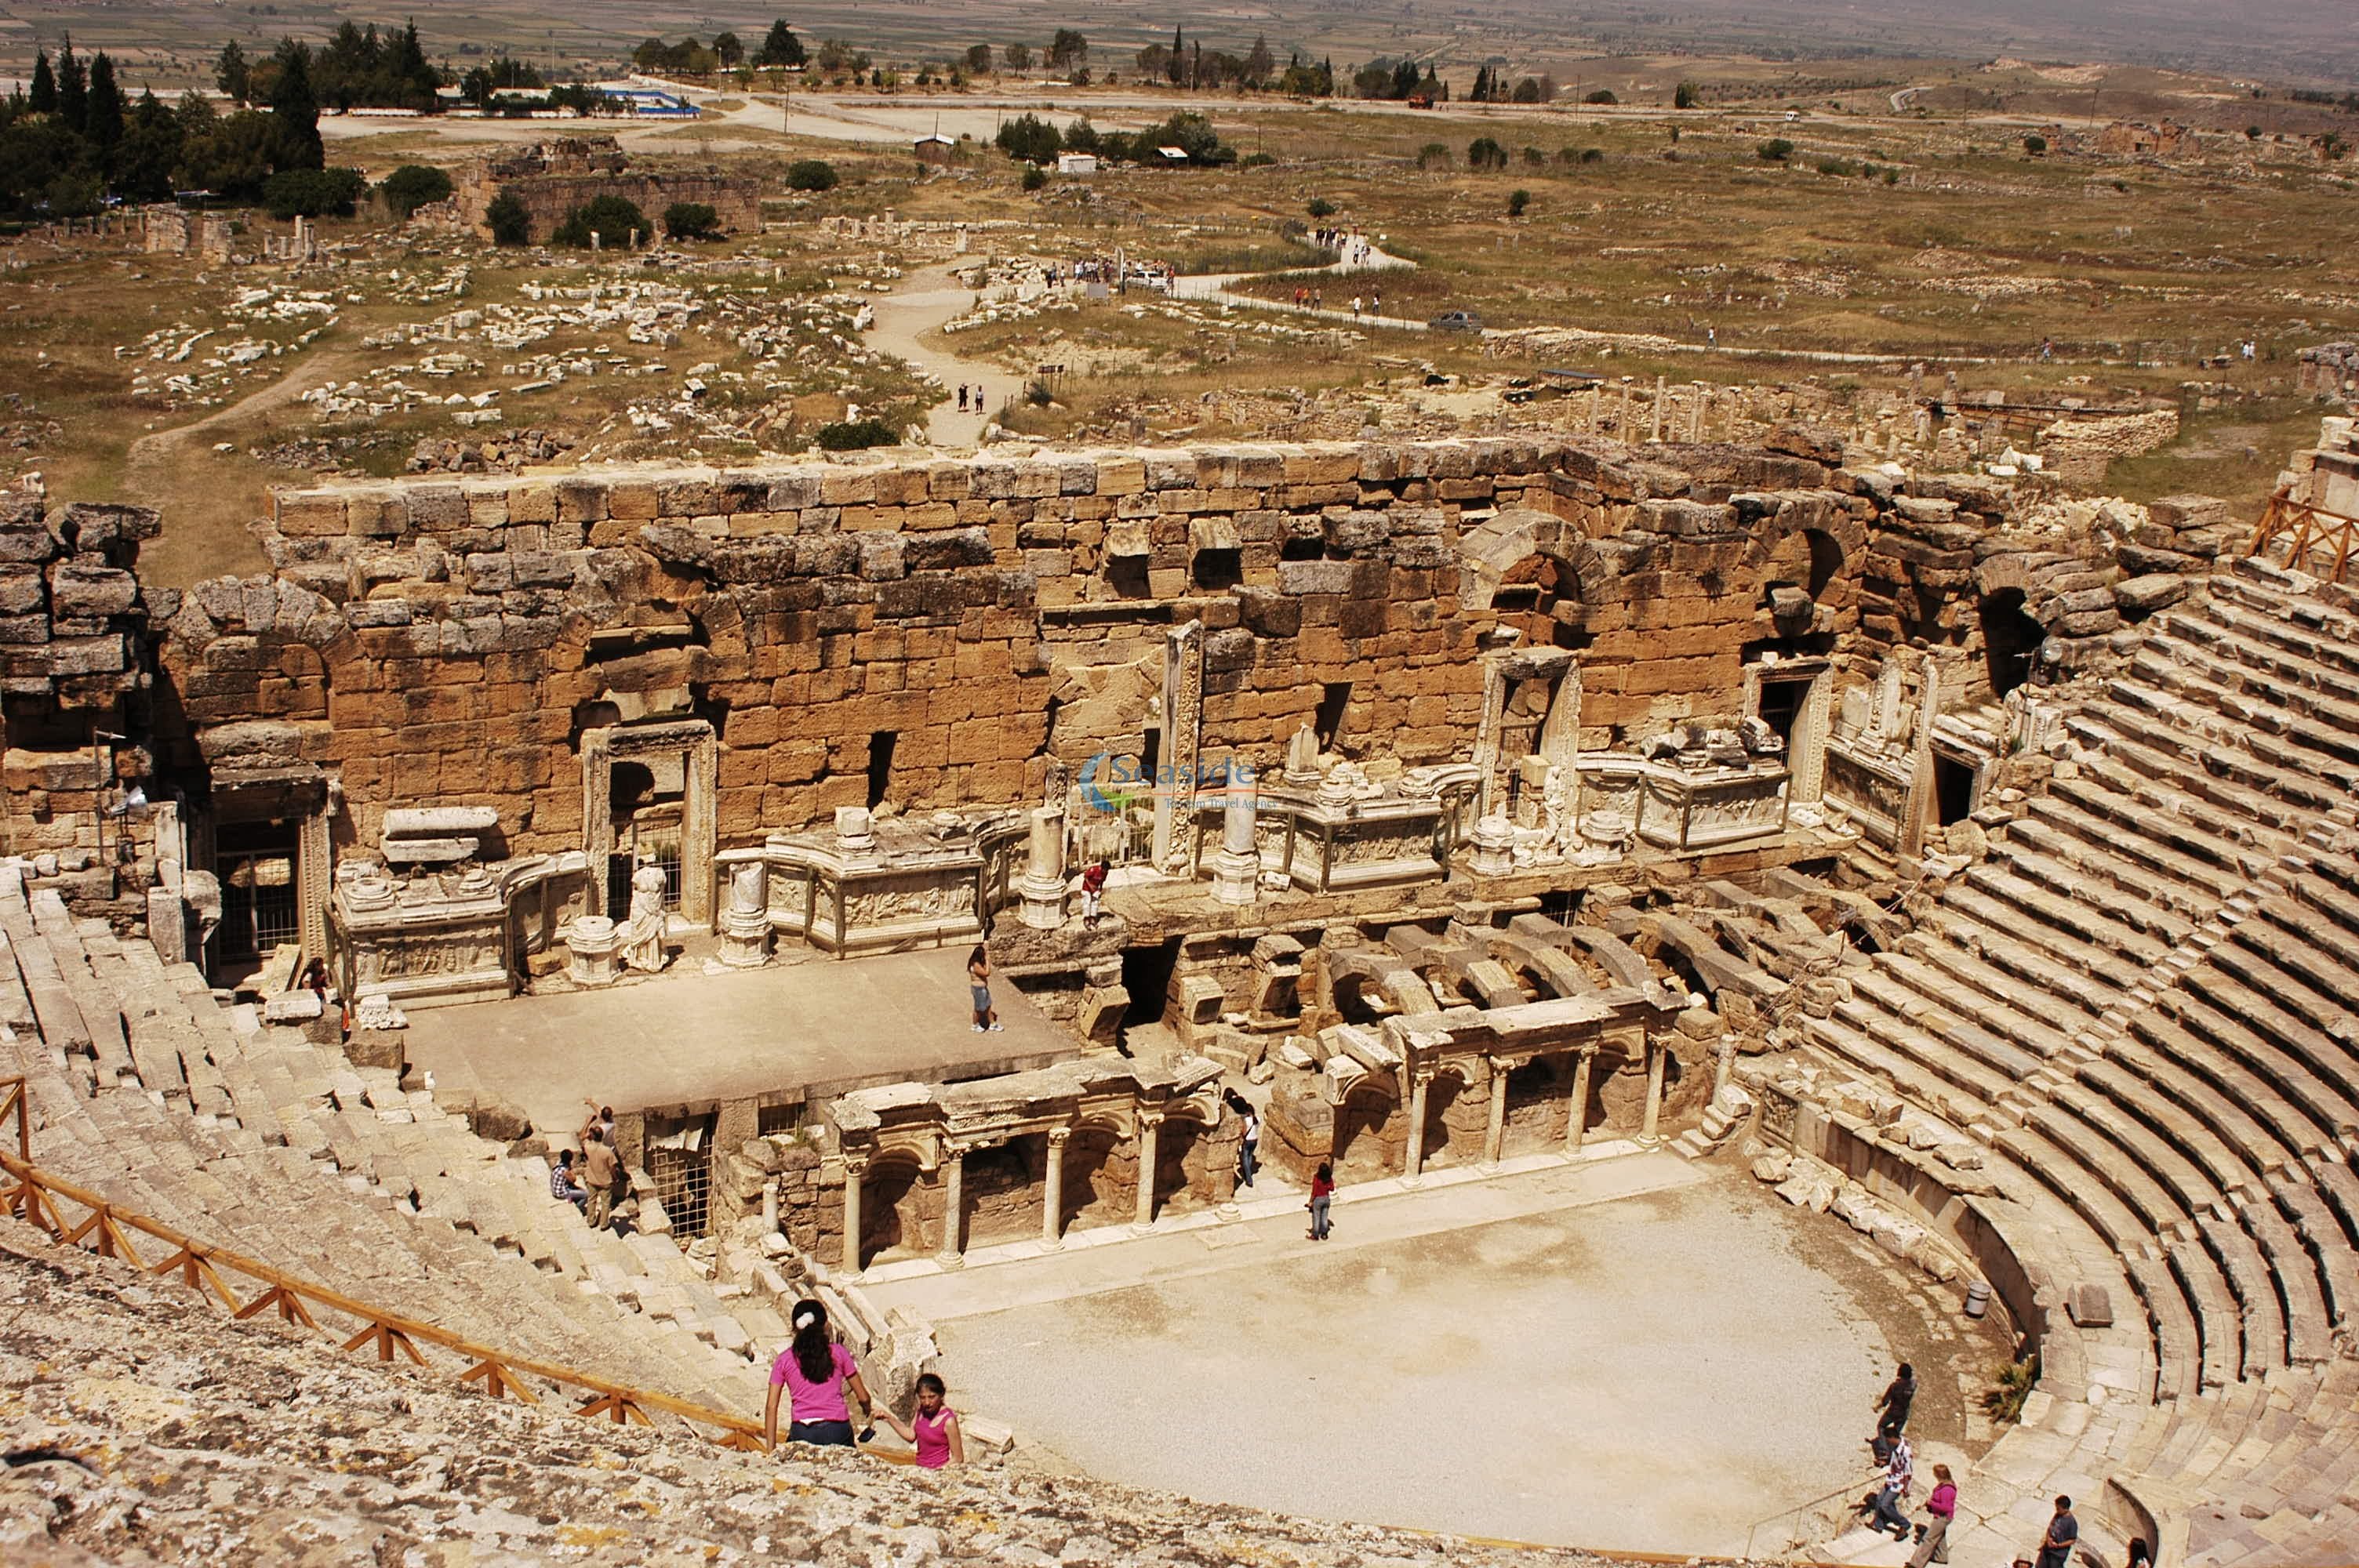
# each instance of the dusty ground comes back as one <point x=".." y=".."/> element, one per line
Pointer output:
<point x="1655" y="1357"/>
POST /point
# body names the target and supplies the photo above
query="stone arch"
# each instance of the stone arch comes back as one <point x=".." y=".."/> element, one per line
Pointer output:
<point x="891" y="1206"/>
<point x="1493" y="555"/>
<point x="1097" y="1183"/>
<point x="1369" y="1130"/>
<point x="1808" y="546"/>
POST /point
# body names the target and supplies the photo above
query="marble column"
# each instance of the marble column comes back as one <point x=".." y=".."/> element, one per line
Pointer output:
<point x="854" y="1171"/>
<point x="1654" y="427"/>
<point x="1236" y="870"/>
<point x="1149" y="1124"/>
<point x="1655" y="1054"/>
<point x="1723" y="1065"/>
<point x="745" y="928"/>
<point x="1495" y="1138"/>
<point x="952" y="1251"/>
<point x="1052" y="1205"/>
<point x="1576" y="1123"/>
<point x="1414" y="1166"/>
<point x="1042" y="886"/>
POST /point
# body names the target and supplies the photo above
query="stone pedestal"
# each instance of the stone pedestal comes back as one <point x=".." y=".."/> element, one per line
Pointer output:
<point x="1495" y="844"/>
<point x="594" y="951"/>
<point x="1042" y="886"/>
<point x="1236" y="870"/>
<point x="745" y="928"/>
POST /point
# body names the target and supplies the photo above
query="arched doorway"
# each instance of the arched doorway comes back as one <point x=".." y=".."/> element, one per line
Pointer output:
<point x="1093" y="1193"/>
<point x="1367" y="1145"/>
<point x="1441" y="1148"/>
<point x="892" y="1217"/>
<point x="1528" y="598"/>
<point x="2011" y="640"/>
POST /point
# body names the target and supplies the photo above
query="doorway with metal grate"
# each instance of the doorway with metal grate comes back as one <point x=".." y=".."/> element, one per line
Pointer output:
<point x="680" y="1164"/>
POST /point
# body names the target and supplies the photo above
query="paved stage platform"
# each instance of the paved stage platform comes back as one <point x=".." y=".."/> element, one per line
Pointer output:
<point x="806" y="1026"/>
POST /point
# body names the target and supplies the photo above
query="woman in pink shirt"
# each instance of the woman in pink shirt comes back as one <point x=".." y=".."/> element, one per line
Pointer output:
<point x="1941" y="1509"/>
<point x="815" y="1371"/>
<point x="933" y="1426"/>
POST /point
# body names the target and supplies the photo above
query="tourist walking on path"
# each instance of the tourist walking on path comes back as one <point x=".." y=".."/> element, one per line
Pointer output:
<point x="933" y="1427"/>
<point x="1898" y="1472"/>
<point x="978" y="981"/>
<point x="1248" y="1145"/>
<point x="1894" y="1410"/>
<point x="2056" y="1546"/>
<point x="1323" y="1194"/>
<point x="1933" y="1535"/>
<point x="561" y="1185"/>
<point x="601" y="1172"/>
<point x="815" y="1371"/>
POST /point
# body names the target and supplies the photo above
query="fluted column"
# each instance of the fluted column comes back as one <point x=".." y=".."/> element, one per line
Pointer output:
<point x="1052" y="1206"/>
<point x="1577" y="1126"/>
<point x="1150" y="1123"/>
<point x="854" y="1171"/>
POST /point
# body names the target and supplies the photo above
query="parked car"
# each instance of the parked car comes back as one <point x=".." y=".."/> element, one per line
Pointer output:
<point x="1456" y="321"/>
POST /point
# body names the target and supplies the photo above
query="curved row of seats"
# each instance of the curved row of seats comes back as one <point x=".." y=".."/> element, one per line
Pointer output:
<point x="254" y="1140"/>
<point x="2133" y="1003"/>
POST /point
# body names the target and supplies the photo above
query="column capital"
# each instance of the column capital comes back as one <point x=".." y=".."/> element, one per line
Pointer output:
<point x="1149" y="1119"/>
<point x="1060" y="1136"/>
<point x="856" y="1163"/>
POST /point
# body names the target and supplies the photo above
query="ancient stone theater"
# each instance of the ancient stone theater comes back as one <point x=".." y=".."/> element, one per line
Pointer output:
<point x="1970" y="864"/>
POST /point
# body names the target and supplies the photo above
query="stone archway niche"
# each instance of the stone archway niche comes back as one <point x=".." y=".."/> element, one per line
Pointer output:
<point x="690" y="742"/>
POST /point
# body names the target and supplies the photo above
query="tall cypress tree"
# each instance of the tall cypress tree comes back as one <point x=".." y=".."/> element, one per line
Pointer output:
<point x="44" y="100"/>
<point x="1178" y="68"/>
<point x="103" y="114"/>
<point x="73" y="89"/>
<point x="295" y="111"/>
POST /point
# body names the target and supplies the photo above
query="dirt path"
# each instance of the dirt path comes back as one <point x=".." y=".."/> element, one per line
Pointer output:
<point x="928" y="297"/>
<point x="208" y="497"/>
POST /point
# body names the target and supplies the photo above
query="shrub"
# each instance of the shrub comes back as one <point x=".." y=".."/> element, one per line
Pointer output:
<point x="1833" y="166"/>
<point x="1891" y="177"/>
<point x="1534" y="157"/>
<point x="811" y="174"/>
<point x="1778" y="150"/>
<point x="1028" y="138"/>
<point x="1485" y="152"/>
<point x="511" y="223"/>
<point x="2035" y="145"/>
<point x="1320" y="207"/>
<point x="1686" y="95"/>
<point x="412" y="186"/>
<point x="691" y="220"/>
<point x="1256" y="160"/>
<point x="312" y="193"/>
<point x="850" y="436"/>
<point x="1600" y="96"/>
<point x="1433" y="155"/>
<point x="613" y="219"/>
<point x="1516" y="201"/>
<point x="1034" y="177"/>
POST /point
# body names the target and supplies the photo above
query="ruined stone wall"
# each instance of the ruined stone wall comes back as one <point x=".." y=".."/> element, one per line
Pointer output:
<point x="551" y="179"/>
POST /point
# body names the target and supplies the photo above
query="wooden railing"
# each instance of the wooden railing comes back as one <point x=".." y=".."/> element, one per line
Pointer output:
<point x="75" y="1217"/>
<point x="2305" y="530"/>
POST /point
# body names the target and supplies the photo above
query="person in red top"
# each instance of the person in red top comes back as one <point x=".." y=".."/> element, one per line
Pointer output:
<point x="815" y="1371"/>
<point x="933" y="1426"/>
<point x="1933" y="1535"/>
<point x="1323" y="1192"/>
<point x="1092" y="889"/>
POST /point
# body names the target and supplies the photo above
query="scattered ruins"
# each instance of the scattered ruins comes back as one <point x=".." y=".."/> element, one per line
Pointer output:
<point x="553" y="178"/>
<point x="1972" y="861"/>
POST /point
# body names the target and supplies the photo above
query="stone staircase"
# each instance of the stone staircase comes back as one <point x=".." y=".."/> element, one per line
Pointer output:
<point x="255" y="1140"/>
<point x="2137" y="1003"/>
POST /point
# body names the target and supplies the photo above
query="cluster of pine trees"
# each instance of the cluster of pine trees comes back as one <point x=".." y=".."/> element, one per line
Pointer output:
<point x="72" y="140"/>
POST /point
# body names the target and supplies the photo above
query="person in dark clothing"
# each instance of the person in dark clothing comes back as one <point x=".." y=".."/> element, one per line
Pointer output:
<point x="2056" y="1546"/>
<point x="1894" y="1411"/>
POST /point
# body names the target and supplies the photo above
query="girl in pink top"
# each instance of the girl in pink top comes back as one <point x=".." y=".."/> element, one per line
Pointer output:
<point x="815" y="1371"/>
<point x="933" y="1426"/>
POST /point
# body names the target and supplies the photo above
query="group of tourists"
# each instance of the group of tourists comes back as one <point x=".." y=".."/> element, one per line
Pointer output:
<point x="594" y="1183"/>
<point x="1894" y="1453"/>
<point x="970" y="398"/>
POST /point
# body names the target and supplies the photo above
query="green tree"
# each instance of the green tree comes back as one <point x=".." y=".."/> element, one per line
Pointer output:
<point x="1527" y="91"/>
<point x="1067" y="49"/>
<point x="44" y="98"/>
<point x="149" y="150"/>
<point x="412" y="186"/>
<point x="1778" y="150"/>
<point x="510" y="221"/>
<point x="780" y="48"/>
<point x="230" y="156"/>
<point x="614" y="218"/>
<point x="1028" y="138"/>
<point x="1686" y="95"/>
<point x="691" y="220"/>
<point x="978" y="59"/>
<point x="103" y="114"/>
<point x="2035" y="145"/>
<point x="811" y="174"/>
<point x="1018" y="56"/>
<point x="1259" y="62"/>
<point x="1482" y="152"/>
<point x="1516" y="201"/>
<point x="1034" y="177"/>
<point x="73" y="89"/>
<point x="1602" y="96"/>
<point x="313" y="192"/>
<point x="728" y="50"/>
<point x="1320" y="207"/>
<point x="1433" y="155"/>
<point x="294" y="111"/>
